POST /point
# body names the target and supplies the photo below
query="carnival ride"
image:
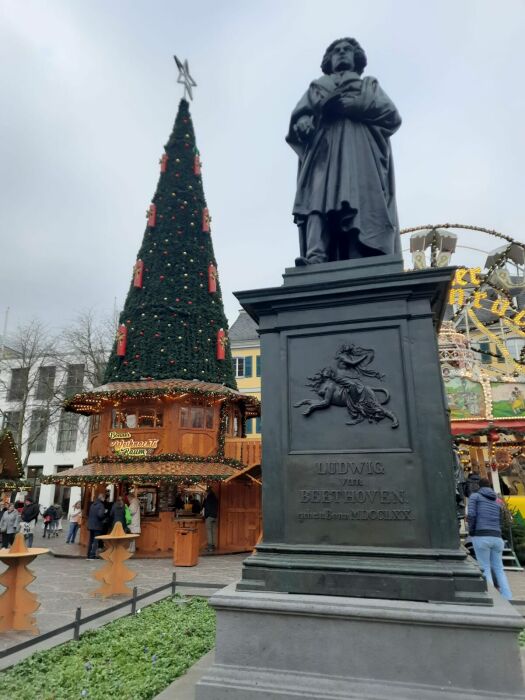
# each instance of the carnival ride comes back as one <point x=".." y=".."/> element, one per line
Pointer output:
<point x="481" y="344"/>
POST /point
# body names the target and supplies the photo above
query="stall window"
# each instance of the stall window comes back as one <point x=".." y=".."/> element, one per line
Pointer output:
<point x="95" y="422"/>
<point x="148" y="499"/>
<point x="149" y="418"/>
<point x="196" y="417"/>
<point x="137" y="418"/>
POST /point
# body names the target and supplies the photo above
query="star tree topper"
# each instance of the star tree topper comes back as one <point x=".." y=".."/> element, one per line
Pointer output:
<point x="185" y="78"/>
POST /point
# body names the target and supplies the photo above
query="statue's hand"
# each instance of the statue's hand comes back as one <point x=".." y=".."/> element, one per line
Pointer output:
<point x="304" y="127"/>
<point x="347" y="106"/>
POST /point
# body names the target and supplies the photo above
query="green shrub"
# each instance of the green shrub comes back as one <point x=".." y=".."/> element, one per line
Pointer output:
<point x="133" y="658"/>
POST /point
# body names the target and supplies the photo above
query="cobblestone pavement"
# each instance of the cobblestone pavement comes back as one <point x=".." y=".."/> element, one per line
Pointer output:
<point x="64" y="583"/>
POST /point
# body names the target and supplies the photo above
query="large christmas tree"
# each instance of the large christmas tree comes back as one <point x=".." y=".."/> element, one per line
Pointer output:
<point x="173" y="323"/>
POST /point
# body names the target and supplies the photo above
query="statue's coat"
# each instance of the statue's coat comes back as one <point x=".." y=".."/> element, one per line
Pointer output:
<point x="346" y="168"/>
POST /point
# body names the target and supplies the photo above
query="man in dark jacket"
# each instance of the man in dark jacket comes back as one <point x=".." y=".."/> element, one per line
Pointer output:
<point x="30" y="513"/>
<point x="96" y="521"/>
<point x="211" y="512"/>
<point x="484" y="522"/>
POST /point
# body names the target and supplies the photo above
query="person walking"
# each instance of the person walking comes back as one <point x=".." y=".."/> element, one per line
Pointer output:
<point x="118" y="513"/>
<point x="75" y="518"/>
<point x="134" y="526"/>
<point x="484" y="522"/>
<point x="9" y="525"/>
<point x="96" y="519"/>
<point x="211" y="512"/>
<point x="57" y="523"/>
<point x="49" y="520"/>
<point x="30" y="513"/>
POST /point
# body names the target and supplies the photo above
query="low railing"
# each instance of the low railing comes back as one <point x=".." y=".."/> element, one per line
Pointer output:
<point x="135" y="598"/>
<point x="247" y="451"/>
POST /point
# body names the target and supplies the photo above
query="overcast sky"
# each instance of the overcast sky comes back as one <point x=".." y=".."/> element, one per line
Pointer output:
<point x="89" y="94"/>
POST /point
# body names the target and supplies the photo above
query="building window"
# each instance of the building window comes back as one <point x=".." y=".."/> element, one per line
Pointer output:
<point x="18" y="386"/>
<point x="11" y="421"/>
<point x="253" y="426"/>
<point x="46" y="383"/>
<point x="34" y="474"/>
<point x="258" y="366"/>
<point x="38" y="430"/>
<point x="243" y="366"/>
<point x="74" y="379"/>
<point x="67" y="433"/>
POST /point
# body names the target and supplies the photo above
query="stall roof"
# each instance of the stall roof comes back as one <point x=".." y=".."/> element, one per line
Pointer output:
<point x="11" y="471"/>
<point x="146" y="472"/>
<point x="253" y="472"/>
<point x="464" y="427"/>
<point x="92" y="401"/>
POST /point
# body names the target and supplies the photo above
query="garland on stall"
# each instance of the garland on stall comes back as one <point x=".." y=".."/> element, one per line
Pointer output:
<point x="164" y="457"/>
<point x="14" y="485"/>
<point x="147" y="479"/>
<point x="491" y="428"/>
<point x="96" y="397"/>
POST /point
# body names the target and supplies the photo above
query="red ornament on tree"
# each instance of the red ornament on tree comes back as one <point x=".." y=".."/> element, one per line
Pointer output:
<point x="138" y="272"/>
<point x="212" y="278"/>
<point x="122" y="337"/>
<point x="163" y="163"/>
<point x="222" y="341"/>
<point x="197" y="164"/>
<point x="206" y="220"/>
<point x="152" y="215"/>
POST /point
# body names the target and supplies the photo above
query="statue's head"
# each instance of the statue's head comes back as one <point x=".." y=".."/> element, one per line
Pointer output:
<point x="344" y="54"/>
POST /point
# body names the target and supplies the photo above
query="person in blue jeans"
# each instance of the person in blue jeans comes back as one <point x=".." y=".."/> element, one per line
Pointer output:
<point x="484" y="522"/>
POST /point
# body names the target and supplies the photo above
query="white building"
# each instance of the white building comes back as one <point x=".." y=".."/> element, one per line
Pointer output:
<point x="30" y="407"/>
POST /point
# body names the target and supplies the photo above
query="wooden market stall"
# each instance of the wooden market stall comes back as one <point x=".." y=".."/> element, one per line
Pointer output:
<point x="168" y="440"/>
<point x="11" y="471"/>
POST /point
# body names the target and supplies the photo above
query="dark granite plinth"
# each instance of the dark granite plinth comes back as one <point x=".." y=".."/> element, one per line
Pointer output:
<point x="358" y="495"/>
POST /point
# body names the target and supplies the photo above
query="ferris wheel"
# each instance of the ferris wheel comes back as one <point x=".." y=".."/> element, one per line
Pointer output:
<point x="487" y="296"/>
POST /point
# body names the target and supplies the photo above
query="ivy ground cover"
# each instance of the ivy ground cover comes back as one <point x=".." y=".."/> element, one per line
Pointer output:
<point x="133" y="658"/>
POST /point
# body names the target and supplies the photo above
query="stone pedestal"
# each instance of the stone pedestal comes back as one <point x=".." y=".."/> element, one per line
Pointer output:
<point x="283" y="647"/>
<point x="360" y="588"/>
<point x="358" y="495"/>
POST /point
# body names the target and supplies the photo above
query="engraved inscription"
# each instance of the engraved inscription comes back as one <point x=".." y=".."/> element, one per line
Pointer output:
<point x="343" y="386"/>
<point x="356" y="515"/>
<point x="356" y="487"/>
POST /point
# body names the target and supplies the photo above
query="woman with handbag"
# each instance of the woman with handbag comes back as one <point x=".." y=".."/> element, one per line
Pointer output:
<point x="75" y="518"/>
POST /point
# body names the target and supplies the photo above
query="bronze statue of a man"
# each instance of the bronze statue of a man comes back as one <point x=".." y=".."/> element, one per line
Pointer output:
<point x="345" y="203"/>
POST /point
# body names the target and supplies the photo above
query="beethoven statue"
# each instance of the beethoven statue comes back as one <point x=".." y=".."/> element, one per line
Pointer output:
<point x="345" y="204"/>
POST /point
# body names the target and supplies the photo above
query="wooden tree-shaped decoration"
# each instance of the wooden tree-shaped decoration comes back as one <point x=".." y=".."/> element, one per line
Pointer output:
<point x="16" y="603"/>
<point x="115" y="573"/>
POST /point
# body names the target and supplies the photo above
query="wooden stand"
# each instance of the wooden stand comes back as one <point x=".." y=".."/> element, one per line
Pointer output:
<point x="115" y="573"/>
<point x="16" y="603"/>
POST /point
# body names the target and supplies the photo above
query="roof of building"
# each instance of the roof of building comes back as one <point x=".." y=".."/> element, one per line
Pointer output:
<point x="244" y="328"/>
<point x="142" y="472"/>
<point x="90" y="402"/>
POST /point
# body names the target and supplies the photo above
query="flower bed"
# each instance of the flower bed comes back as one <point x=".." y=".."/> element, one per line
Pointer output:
<point x="133" y="658"/>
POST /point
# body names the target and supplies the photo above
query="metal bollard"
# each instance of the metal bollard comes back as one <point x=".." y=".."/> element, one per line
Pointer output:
<point x="134" y="601"/>
<point x="173" y="583"/>
<point x="76" y="628"/>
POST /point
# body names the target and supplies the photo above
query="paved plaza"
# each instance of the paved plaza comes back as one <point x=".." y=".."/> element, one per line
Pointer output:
<point x="64" y="583"/>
